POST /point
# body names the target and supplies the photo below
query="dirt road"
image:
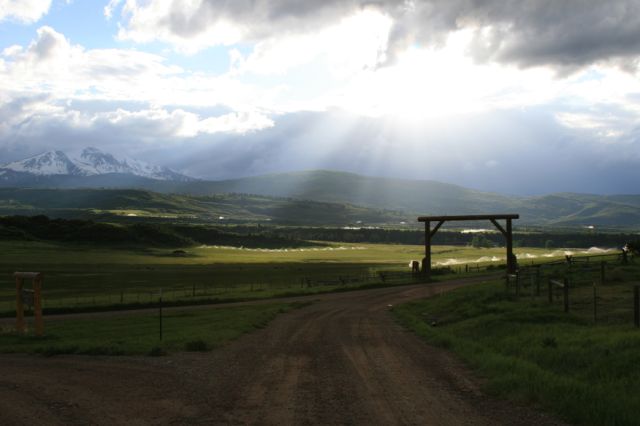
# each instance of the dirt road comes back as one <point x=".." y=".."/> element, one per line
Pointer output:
<point x="342" y="360"/>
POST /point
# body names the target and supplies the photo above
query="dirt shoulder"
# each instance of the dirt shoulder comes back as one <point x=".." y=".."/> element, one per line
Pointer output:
<point x="342" y="360"/>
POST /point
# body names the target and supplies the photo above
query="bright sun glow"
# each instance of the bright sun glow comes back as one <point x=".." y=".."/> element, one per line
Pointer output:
<point x="441" y="82"/>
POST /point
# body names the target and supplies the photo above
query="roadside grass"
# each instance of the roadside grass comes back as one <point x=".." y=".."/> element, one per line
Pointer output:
<point x="532" y="352"/>
<point x="188" y="330"/>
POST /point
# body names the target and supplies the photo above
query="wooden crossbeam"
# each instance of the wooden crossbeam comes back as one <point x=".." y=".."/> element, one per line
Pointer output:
<point x="435" y="229"/>
<point x="500" y="228"/>
<point x="467" y="217"/>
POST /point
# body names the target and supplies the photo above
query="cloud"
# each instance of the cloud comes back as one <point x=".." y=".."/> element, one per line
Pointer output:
<point x="525" y="152"/>
<point x="31" y="124"/>
<point x="344" y="47"/>
<point x="566" y="36"/>
<point x="51" y="64"/>
<point x="178" y="123"/>
<point x="194" y="24"/>
<point x="110" y="7"/>
<point x="24" y="11"/>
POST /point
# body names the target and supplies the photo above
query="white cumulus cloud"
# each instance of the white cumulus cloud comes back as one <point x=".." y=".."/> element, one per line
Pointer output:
<point x="25" y="11"/>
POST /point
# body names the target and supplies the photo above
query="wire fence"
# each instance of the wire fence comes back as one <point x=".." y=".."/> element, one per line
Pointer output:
<point x="228" y="290"/>
<point x="602" y="289"/>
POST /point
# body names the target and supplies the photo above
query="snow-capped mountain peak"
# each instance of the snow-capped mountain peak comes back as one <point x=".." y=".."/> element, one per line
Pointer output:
<point x="91" y="161"/>
<point x="45" y="164"/>
<point x="96" y="162"/>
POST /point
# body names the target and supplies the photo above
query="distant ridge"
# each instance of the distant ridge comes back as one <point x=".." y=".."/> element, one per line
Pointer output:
<point x="415" y="197"/>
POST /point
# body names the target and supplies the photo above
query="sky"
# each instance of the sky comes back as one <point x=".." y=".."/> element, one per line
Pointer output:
<point x="511" y="96"/>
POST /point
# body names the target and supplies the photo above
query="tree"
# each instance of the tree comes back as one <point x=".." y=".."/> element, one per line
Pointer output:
<point x="480" y="240"/>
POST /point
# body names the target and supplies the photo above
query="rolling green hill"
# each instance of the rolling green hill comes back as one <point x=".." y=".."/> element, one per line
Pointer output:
<point x="424" y="197"/>
<point x="321" y="197"/>
<point x="135" y="204"/>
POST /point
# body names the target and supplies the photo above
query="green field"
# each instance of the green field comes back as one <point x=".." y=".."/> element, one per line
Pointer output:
<point x="83" y="275"/>
<point x="79" y="276"/>
<point x="529" y="350"/>
<point x="194" y="330"/>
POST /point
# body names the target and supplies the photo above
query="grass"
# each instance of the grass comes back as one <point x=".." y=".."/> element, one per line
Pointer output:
<point x="86" y="276"/>
<point x="188" y="330"/>
<point x="530" y="351"/>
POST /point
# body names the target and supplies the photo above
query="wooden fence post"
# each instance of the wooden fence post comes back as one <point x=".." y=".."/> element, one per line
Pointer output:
<point x="160" y="313"/>
<point x="602" y="272"/>
<point x="517" y="284"/>
<point x="37" y="306"/>
<point x="538" y="282"/>
<point x="636" y="305"/>
<point x="595" y="303"/>
<point x="20" y="325"/>
<point x="550" y="290"/>
<point x="566" y="294"/>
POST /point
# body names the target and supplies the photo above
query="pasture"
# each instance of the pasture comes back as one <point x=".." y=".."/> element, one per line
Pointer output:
<point x="84" y="275"/>
<point x="581" y="367"/>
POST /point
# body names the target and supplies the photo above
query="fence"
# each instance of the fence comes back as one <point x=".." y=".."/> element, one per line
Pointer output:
<point x="601" y="289"/>
<point x="228" y="291"/>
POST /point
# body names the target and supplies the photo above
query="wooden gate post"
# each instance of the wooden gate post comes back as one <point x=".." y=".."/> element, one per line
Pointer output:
<point x="511" y="260"/>
<point x="426" y="262"/>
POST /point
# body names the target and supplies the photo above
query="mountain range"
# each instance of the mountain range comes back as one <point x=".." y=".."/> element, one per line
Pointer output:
<point x="97" y="169"/>
<point x="90" y="162"/>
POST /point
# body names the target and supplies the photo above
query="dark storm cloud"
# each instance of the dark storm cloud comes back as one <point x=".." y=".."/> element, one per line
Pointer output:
<point x="565" y="34"/>
<point x="259" y="18"/>
<point x="569" y="33"/>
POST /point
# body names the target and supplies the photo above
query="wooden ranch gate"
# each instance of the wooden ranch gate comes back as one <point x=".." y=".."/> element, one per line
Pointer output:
<point x="506" y="231"/>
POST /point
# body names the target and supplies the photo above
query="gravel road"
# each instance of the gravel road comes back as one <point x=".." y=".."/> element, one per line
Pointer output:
<point x="340" y="361"/>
